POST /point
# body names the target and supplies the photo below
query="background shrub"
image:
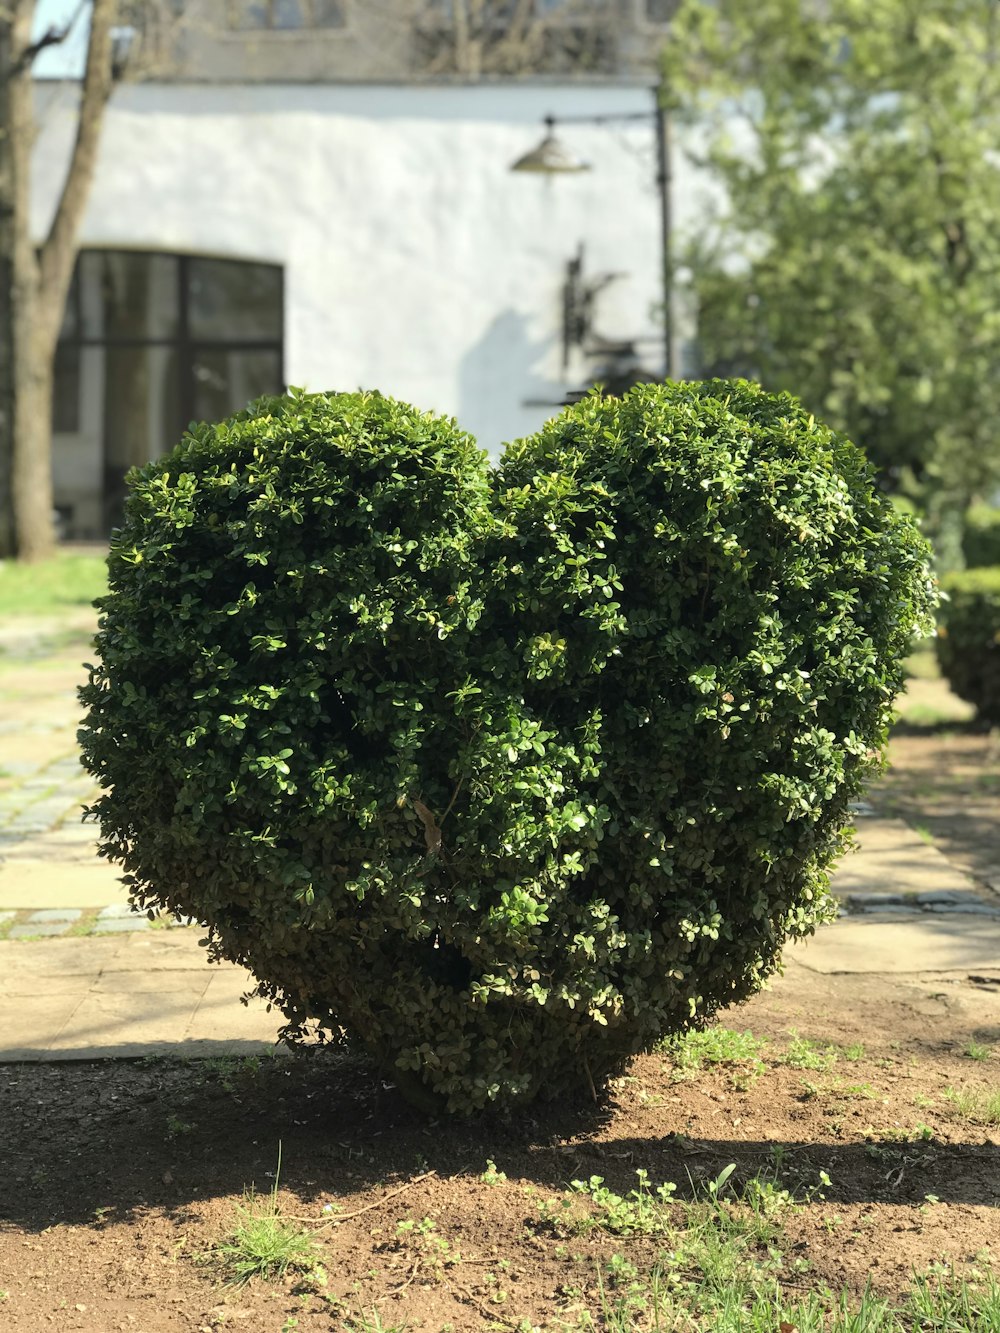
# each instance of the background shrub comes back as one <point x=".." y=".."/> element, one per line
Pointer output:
<point x="981" y="539"/>
<point x="509" y="774"/>
<point x="968" y="640"/>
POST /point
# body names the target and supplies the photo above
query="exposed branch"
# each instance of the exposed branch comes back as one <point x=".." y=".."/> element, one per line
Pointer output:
<point x="54" y="37"/>
<point x="59" y="252"/>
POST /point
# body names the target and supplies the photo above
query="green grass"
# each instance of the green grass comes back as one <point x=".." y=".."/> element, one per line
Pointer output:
<point x="263" y="1244"/>
<point x="722" y="1270"/>
<point x="371" y="1322"/>
<point x="722" y="1267"/>
<point x="977" y="1051"/>
<point x="51" y="586"/>
<point x="981" y="1108"/>
<point x="805" y="1054"/>
<point x="922" y="663"/>
<point x="691" y="1052"/>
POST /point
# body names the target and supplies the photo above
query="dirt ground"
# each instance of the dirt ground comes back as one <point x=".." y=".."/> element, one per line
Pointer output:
<point x="119" y="1179"/>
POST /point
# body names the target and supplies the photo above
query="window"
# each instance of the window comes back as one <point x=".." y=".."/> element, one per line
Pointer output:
<point x="286" y="15"/>
<point x="660" y="11"/>
<point x="152" y="341"/>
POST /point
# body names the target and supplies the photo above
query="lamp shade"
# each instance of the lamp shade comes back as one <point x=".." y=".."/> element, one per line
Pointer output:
<point x="550" y="157"/>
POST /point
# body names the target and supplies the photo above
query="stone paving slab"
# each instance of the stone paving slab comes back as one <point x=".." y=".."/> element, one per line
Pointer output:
<point x="892" y="857"/>
<point x="37" y="929"/>
<point x="119" y="912"/>
<point x="119" y="927"/>
<point x="904" y="945"/>
<point x="127" y="996"/>
<point x="36" y="884"/>
<point x="60" y="914"/>
<point x="156" y="993"/>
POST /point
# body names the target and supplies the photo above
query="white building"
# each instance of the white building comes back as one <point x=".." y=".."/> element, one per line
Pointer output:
<point x="243" y="236"/>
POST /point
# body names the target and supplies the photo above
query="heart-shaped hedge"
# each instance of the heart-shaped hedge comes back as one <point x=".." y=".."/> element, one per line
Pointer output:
<point x="505" y="772"/>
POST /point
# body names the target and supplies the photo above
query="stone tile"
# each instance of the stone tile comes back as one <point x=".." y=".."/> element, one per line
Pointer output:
<point x="222" y="1016"/>
<point x="103" y="1021"/>
<point x="975" y="907"/>
<point x="119" y="912"/>
<point x="37" y="883"/>
<point x="875" y="900"/>
<point x="73" y="958"/>
<point x="892" y="856"/>
<point x="862" y="810"/>
<point x="123" y="1049"/>
<point x="25" y="1028"/>
<point x="118" y="927"/>
<point x="160" y="951"/>
<point x="40" y="928"/>
<point x="56" y="914"/>
<point x="920" y="942"/>
<point x="191" y="983"/>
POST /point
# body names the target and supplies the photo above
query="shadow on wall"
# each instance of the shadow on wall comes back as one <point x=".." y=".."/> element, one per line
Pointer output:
<point x="502" y="393"/>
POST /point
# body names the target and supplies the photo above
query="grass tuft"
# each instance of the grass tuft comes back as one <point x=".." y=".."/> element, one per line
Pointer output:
<point x="975" y="1104"/>
<point x="52" y="585"/>
<point x="262" y="1243"/>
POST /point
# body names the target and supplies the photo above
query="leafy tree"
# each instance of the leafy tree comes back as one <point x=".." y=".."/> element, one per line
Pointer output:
<point x="857" y="262"/>
<point x="34" y="279"/>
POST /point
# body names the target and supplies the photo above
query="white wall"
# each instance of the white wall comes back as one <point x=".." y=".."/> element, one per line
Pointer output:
<point x="415" y="261"/>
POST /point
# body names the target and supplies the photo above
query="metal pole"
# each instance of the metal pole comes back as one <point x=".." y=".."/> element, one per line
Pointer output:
<point x="663" y="181"/>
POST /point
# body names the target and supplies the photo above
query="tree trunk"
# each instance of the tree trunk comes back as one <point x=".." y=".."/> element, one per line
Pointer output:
<point x="37" y="282"/>
<point x="34" y="528"/>
<point x="30" y="478"/>
<point x="7" y="231"/>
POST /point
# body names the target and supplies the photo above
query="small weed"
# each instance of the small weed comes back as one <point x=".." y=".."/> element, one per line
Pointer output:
<point x="977" y="1051"/>
<point x="805" y="1054"/>
<point x="432" y="1251"/>
<point x="176" y="1127"/>
<point x="371" y="1322"/>
<point x="982" y="1108"/>
<point x="713" y="1046"/>
<point x="641" y="1212"/>
<point x="924" y="834"/>
<point x="946" y="1304"/>
<point x="690" y="1052"/>
<point x="491" y="1176"/>
<point x="899" y="1134"/>
<point x="232" y="1071"/>
<point x="620" y="1269"/>
<point x="262" y="1244"/>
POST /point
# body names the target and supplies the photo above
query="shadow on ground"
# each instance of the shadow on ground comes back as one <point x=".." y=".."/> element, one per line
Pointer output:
<point x="112" y="1139"/>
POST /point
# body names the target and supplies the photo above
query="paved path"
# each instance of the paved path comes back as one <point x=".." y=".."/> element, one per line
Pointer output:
<point x="82" y="976"/>
<point x="134" y="995"/>
<point x="151" y="992"/>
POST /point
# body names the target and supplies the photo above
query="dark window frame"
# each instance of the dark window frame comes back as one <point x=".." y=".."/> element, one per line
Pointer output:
<point x="187" y="346"/>
<point x="238" y="18"/>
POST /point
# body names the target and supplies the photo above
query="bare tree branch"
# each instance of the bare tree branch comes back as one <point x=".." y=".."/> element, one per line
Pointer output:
<point x="54" y="37"/>
<point x="59" y="251"/>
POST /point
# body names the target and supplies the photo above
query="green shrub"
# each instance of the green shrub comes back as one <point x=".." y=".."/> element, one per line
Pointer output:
<point x="968" y="639"/>
<point x="981" y="539"/>
<point x="505" y="774"/>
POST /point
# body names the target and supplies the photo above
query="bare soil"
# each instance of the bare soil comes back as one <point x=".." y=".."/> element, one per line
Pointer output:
<point x="119" y="1178"/>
